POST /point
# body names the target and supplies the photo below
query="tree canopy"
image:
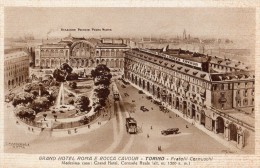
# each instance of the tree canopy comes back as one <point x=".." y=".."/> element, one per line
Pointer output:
<point x="25" y="113"/>
<point x="23" y="97"/>
<point x="82" y="103"/>
<point x="40" y="104"/>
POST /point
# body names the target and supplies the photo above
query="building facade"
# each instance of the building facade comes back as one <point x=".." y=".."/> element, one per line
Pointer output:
<point x="16" y="68"/>
<point x="186" y="82"/>
<point x="82" y="53"/>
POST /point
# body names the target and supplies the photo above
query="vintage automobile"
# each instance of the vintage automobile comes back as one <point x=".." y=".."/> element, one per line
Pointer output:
<point x="143" y="109"/>
<point x="131" y="125"/>
<point x="140" y="92"/>
<point x="170" y="131"/>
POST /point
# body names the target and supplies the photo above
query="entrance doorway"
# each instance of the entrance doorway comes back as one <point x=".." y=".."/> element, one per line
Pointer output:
<point x="220" y="125"/>
<point x="203" y="118"/>
<point x="233" y="132"/>
<point x="193" y="111"/>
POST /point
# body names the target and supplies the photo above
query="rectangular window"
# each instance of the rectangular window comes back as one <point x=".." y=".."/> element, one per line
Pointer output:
<point x="245" y="93"/>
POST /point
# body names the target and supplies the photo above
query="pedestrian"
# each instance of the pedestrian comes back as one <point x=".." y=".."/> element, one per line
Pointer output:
<point x="151" y="108"/>
<point x="148" y="136"/>
<point x="187" y="126"/>
<point x="151" y="127"/>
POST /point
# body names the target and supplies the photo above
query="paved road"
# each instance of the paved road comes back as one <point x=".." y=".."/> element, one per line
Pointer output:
<point x="113" y="138"/>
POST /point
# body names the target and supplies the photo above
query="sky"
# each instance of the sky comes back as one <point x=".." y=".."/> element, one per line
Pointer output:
<point x="233" y="23"/>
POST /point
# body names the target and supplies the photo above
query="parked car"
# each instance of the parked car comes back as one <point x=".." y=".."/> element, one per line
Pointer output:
<point x="157" y="102"/>
<point x="143" y="109"/>
<point x="71" y="95"/>
<point x="170" y="131"/>
<point x="149" y="97"/>
<point x="123" y="86"/>
<point x="140" y="92"/>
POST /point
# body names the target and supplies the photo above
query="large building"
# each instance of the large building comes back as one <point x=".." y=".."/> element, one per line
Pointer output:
<point x="216" y="93"/>
<point x="81" y="52"/>
<point x="16" y="68"/>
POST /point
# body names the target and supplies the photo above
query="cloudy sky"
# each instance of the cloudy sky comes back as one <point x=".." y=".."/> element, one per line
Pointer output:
<point x="160" y="22"/>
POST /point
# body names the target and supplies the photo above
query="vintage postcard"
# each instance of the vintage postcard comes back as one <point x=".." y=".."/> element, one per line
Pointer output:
<point x="129" y="86"/>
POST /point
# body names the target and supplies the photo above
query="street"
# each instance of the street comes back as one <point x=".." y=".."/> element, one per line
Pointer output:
<point x="112" y="136"/>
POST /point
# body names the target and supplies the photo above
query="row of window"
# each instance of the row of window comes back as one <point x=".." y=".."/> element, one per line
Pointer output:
<point x="176" y="74"/>
<point x="246" y="92"/>
<point x="16" y="62"/>
<point x="112" y="53"/>
<point x="222" y="67"/>
<point x="245" y="102"/>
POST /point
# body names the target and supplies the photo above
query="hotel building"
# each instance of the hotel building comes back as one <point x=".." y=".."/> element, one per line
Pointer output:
<point x="196" y="85"/>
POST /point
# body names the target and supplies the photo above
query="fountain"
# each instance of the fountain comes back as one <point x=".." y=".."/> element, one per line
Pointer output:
<point x="60" y="105"/>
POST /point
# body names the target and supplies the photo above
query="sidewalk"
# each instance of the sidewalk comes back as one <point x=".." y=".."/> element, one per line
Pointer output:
<point x="80" y="130"/>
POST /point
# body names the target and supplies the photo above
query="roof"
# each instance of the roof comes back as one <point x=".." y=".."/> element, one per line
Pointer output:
<point x="233" y="76"/>
<point x="12" y="50"/>
<point x="229" y="63"/>
<point x="180" y="68"/>
<point x="111" y="45"/>
<point x="13" y="55"/>
<point x="54" y="45"/>
<point x="183" y="54"/>
<point x="240" y="116"/>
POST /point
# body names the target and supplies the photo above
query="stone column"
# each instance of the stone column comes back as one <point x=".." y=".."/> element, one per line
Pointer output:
<point x="240" y="138"/>
<point x="216" y="127"/>
<point x="226" y="133"/>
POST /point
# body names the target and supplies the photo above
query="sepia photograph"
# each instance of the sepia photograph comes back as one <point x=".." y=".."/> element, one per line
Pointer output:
<point x="126" y="80"/>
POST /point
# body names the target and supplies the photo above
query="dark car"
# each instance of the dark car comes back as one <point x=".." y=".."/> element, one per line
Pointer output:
<point x="143" y="109"/>
<point x="149" y="97"/>
<point x="123" y="86"/>
<point x="140" y="92"/>
<point x="170" y="131"/>
<point x="157" y="102"/>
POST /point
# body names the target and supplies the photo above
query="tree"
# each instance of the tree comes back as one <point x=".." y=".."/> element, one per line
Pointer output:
<point x="54" y="91"/>
<point x="28" y="87"/>
<point x="82" y="103"/>
<point x="40" y="104"/>
<point x="72" y="76"/>
<point x="65" y="67"/>
<point x="73" y="85"/>
<point x="101" y="75"/>
<point x="100" y="70"/>
<point x="71" y="101"/>
<point x="102" y="92"/>
<point x="59" y="75"/>
<point x="23" y="98"/>
<point x="25" y="113"/>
